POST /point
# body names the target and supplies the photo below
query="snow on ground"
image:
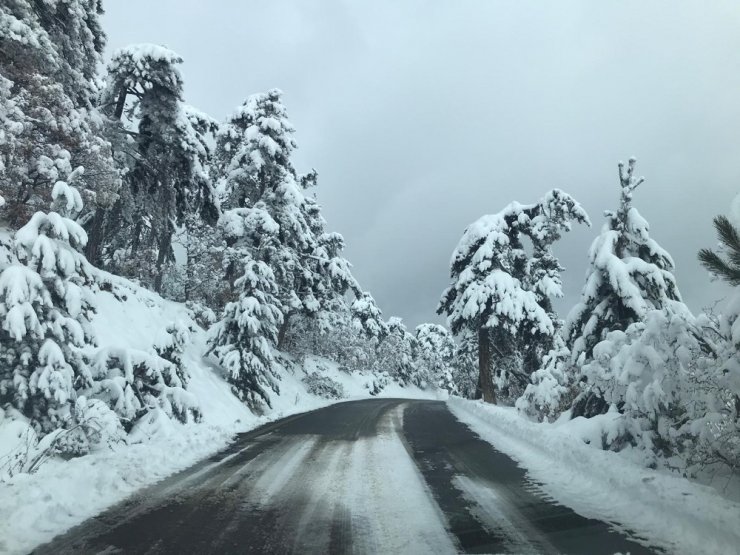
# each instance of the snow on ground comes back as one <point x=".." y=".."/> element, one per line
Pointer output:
<point x="61" y="494"/>
<point x="671" y="511"/>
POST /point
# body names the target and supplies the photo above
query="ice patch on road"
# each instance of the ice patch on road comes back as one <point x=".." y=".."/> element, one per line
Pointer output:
<point x="367" y="491"/>
<point x="499" y="515"/>
<point x="393" y="510"/>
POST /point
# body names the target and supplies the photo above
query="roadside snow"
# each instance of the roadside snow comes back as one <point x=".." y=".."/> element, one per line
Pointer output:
<point x="61" y="494"/>
<point x="668" y="510"/>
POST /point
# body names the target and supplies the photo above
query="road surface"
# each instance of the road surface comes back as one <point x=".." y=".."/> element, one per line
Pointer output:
<point x="377" y="476"/>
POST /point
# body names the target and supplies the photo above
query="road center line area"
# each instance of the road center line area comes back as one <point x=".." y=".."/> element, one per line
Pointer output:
<point x="372" y="476"/>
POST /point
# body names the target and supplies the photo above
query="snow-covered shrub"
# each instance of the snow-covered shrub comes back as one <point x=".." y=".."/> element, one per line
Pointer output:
<point x="133" y="382"/>
<point x="652" y="373"/>
<point x="717" y="424"/>
<point x="378" y="383"/>
<point x="720" y="430"/>
<point x="397" y="354"/>
<point x="203" y="315"/>
<point x="323" y="386"/>
<point x="171" y="345"/>
<point x="93" y="425"/>
<point x="51" y="371"/>
<point x="552" y="387"/>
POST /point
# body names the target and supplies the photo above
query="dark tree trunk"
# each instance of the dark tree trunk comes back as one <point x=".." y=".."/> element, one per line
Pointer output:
<point x="95" y="237"/>
<point x="484" y="366"/>
<point x="165" y="244"/>
<point x="120" y="104"/>
<point x="283" y="332"/>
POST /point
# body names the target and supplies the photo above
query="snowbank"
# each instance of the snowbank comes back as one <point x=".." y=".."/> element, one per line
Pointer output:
<point x="667" y="509"/>
<point x="61" y="494"/>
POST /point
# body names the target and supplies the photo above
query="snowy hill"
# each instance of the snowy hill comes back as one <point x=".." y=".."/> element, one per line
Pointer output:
<point x="62" y="493"/>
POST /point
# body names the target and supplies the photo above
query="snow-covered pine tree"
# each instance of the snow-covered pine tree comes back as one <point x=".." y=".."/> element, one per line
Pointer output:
<point x="629" y="274"/>
<point x="50" y="371"/>
<point x="551" y="388"/>
<point x="398" y="355"/>
<point x="502" y="293"/>
<point x="720" y="433"/>
<point x="253" y="154"/>
<point x="465" y="374"/>
<point x="367" y="318"/>
<point x="243" y="339"/>
<point x="166" y="163"/>
<point x="654" y="375"/>
<point x="437" y="354"/>
<point x="48" y="62"/>
<point x="45" y="309"/>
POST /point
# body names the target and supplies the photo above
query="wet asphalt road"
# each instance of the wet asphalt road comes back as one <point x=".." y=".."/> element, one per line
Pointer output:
<point x="375" y="476"/>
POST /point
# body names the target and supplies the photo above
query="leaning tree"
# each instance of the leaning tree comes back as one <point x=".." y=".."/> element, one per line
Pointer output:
<point x="501" y="291"/>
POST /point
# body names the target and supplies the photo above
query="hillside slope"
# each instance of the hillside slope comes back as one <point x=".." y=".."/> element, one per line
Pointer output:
<point x="62" y="493"/>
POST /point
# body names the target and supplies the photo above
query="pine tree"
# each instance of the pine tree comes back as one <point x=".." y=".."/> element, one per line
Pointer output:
<point x="253" y="154"/>
<point x="629" y="275"/>
<point x="398" y="354"/>
<point x="720" y="439"/>
<point x="367" y="318"/>
<point x="502" y="293"/>
<point x="465" y="374"/>
<point x="551" y="388"/>
<point x="48" y="64"/>
<point x="51" y="371"/>
<point x="727" y="269"/>
<point x="244" y="337"/>
<point x="45" y="309"/>
<point x="166" y="175"/>
<point x="437" y="354"/>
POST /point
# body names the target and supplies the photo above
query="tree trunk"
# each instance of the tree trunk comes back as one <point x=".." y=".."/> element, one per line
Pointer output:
<point x="165" y="244"/>
<point x="120" y="104"/>
<point x="484" y="366"/>
<point x="95" y="237"/>
<point x="283" y="332"/>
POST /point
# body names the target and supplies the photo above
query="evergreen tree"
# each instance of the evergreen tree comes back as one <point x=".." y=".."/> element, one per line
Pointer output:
<point x="367" y="318"/>
<point x="166" y="176"/>
<point x="48" y="62"/>
<point x="720" y="438"/>
<point x="397" y="354"/>
<point x="728" y="269"/>
<point x="551" y="388"/>
<point x="502" y="293"/>
<point x="51" y="371"/>
<point x="629" y="274"/>
<point x="244" y="337"/>
<point x="465" y="374"/>
<point x="437" y="354"/>
<point x="253" y="154"/>
<point x="45" y="309"/>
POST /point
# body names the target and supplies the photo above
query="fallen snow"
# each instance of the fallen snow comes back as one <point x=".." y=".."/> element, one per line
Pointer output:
<point x="666" y="509"/>
<point x="61" y="494"/>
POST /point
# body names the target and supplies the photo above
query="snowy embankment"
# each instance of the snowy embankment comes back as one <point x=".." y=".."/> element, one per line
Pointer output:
<point x="670" y="511"/>
<point x="63" y="493"/>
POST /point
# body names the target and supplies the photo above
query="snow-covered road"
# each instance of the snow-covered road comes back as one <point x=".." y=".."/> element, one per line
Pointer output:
<point x="374" y="476"/>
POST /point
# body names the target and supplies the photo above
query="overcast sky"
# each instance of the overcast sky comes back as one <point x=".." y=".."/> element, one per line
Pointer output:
<point x="421" y="116"/>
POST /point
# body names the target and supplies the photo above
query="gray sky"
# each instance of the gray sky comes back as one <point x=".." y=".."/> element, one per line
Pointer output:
<point x="420" y="116"/>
